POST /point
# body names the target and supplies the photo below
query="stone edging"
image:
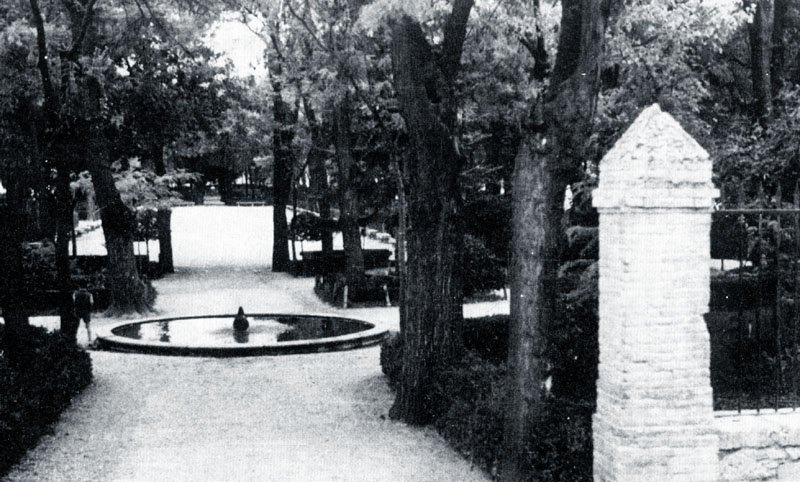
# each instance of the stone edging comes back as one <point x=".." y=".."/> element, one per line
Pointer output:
<point x="754" y="447"/>
<point x="372" y="336"/>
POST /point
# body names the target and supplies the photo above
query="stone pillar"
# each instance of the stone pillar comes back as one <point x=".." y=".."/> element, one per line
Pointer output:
<point x="654" y="419"/>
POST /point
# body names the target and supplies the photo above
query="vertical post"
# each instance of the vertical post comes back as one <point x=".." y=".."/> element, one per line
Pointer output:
<point x="654" y="418"/>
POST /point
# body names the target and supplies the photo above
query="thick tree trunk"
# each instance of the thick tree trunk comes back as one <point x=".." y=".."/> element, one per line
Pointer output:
<point x="432" y="304"/>
<point x="348" y="197"/>
<point x="536" y="222"/>
<point x="760" y="60"/>
<point x="13" y="296"/>
<point x="281" y="178"/>
<point x="164" y="224"/>
<point x="128" y="292"/>
<point x="550" y="158"/>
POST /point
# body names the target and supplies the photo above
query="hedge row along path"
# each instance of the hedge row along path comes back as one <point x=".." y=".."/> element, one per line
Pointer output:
<point x="299" y="417"/>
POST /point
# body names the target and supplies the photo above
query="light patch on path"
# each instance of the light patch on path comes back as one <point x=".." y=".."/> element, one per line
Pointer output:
<point x="299" y="417"/>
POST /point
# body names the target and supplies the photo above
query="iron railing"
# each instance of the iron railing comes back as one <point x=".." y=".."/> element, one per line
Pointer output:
<point x="753" y="320"/>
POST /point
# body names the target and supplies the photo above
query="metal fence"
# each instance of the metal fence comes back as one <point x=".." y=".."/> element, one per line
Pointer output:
<point x="753" y="320"/>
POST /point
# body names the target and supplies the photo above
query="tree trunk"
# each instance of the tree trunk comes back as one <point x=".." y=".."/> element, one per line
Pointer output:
<point x="319" y="186"/>
<point x="64" y="220"/>
<point x="432" y="303"/>
<point x="318" y="173"/>
<point x="164" y="224"/>
<point x="400" y="238"/>
<point x="549" y="159"/>
<point x="13" y="295"/>
<point x="281" y="177"/>
<point x="760" y="60"/>
<point x="128" y="292"/>
<point x="294" y="215"/>
<point x="163" y="216"/>
<point x="778" y="55"/>
<point x="348" y="197"/>
<point x="536" y="223"/>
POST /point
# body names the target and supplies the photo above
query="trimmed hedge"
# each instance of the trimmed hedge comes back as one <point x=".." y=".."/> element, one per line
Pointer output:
<point x="317" y="263"/>
<point x="468" y="404"/>
<point x="330" y="289"/>
<point x="32" y="398"/>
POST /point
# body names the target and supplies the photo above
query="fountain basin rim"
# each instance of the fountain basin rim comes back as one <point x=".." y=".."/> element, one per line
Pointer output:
<point x="373" y="335"/>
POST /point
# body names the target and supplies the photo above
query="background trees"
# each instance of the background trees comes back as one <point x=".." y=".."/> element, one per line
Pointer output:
<point x="447" y="105"/>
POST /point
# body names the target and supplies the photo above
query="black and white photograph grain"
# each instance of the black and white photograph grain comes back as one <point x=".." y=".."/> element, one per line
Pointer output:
<point x="400" y="240"/>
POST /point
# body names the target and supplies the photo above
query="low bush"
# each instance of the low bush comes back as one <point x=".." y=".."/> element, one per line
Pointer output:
<point x="487" y="336"/>
<point x="742" y="287"/>
<point x="392" y="358"/>
<point x="370" y="293"/>
<point x="33" y="396"/>
<point x="306" y="226"/>
<point x="560" y="447"/>
<point x="468" y="405"/>
<point x="488" y="218"/>
<point x="87" y="271"/>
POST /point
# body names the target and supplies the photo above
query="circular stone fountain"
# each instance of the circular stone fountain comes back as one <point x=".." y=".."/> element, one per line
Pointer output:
<point x="237" y="335"/>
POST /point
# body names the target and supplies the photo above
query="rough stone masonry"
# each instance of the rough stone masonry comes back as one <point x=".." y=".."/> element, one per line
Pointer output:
<point x="654" y="419"/>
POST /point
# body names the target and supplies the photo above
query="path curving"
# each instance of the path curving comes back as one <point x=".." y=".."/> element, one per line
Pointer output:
<point x="298" y="417"/>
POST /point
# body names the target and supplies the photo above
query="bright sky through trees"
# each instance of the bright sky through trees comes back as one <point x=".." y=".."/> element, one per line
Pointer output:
<point x="231" y="38"/>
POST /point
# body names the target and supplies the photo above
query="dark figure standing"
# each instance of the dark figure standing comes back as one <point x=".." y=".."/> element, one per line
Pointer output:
<point x="82" y="303"/>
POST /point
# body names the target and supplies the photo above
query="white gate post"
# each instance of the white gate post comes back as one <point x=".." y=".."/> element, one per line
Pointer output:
<point x="654" y="419"/>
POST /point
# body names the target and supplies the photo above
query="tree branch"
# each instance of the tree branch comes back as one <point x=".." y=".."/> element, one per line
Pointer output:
<point x="50" y="97"/>
<point x="308" y="28"/>
<point x="455" y="31"/>
<point x="77" y="43"/>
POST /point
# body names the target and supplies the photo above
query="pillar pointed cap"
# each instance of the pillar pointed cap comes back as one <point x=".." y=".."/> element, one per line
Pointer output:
<point x="655" y="164"/>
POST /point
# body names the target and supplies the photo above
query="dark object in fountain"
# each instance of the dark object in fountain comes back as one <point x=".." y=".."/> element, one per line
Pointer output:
<point x="240" y="323"/>
<point x="241" y="336"/>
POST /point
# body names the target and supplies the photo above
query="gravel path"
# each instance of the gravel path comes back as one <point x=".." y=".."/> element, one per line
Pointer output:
<point x="300" y="417"/>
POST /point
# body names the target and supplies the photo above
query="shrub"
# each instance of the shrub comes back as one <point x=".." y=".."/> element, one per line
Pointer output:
<point x="307" y="226"/>
<point x="39" y="263"/>
<point x="468" y="405"/>
<point x="32" y="397"/>
<point x="582" y="243"/>
<point x="482" y="269"/>
<point x="488" y="218"/>
<point x="146" y="227"/>
<point x="392" y="358"/>
<point x="368" y="293"/>
<point x="572" y="345"/>
<point x="560" y="447"/>
<point x="487" y="336"/>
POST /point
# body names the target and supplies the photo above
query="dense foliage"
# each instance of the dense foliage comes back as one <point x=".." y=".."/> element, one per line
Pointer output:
<point x="482" y="269"/>
<point x="468" y="400"/>
<point x="33" y="396"/>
